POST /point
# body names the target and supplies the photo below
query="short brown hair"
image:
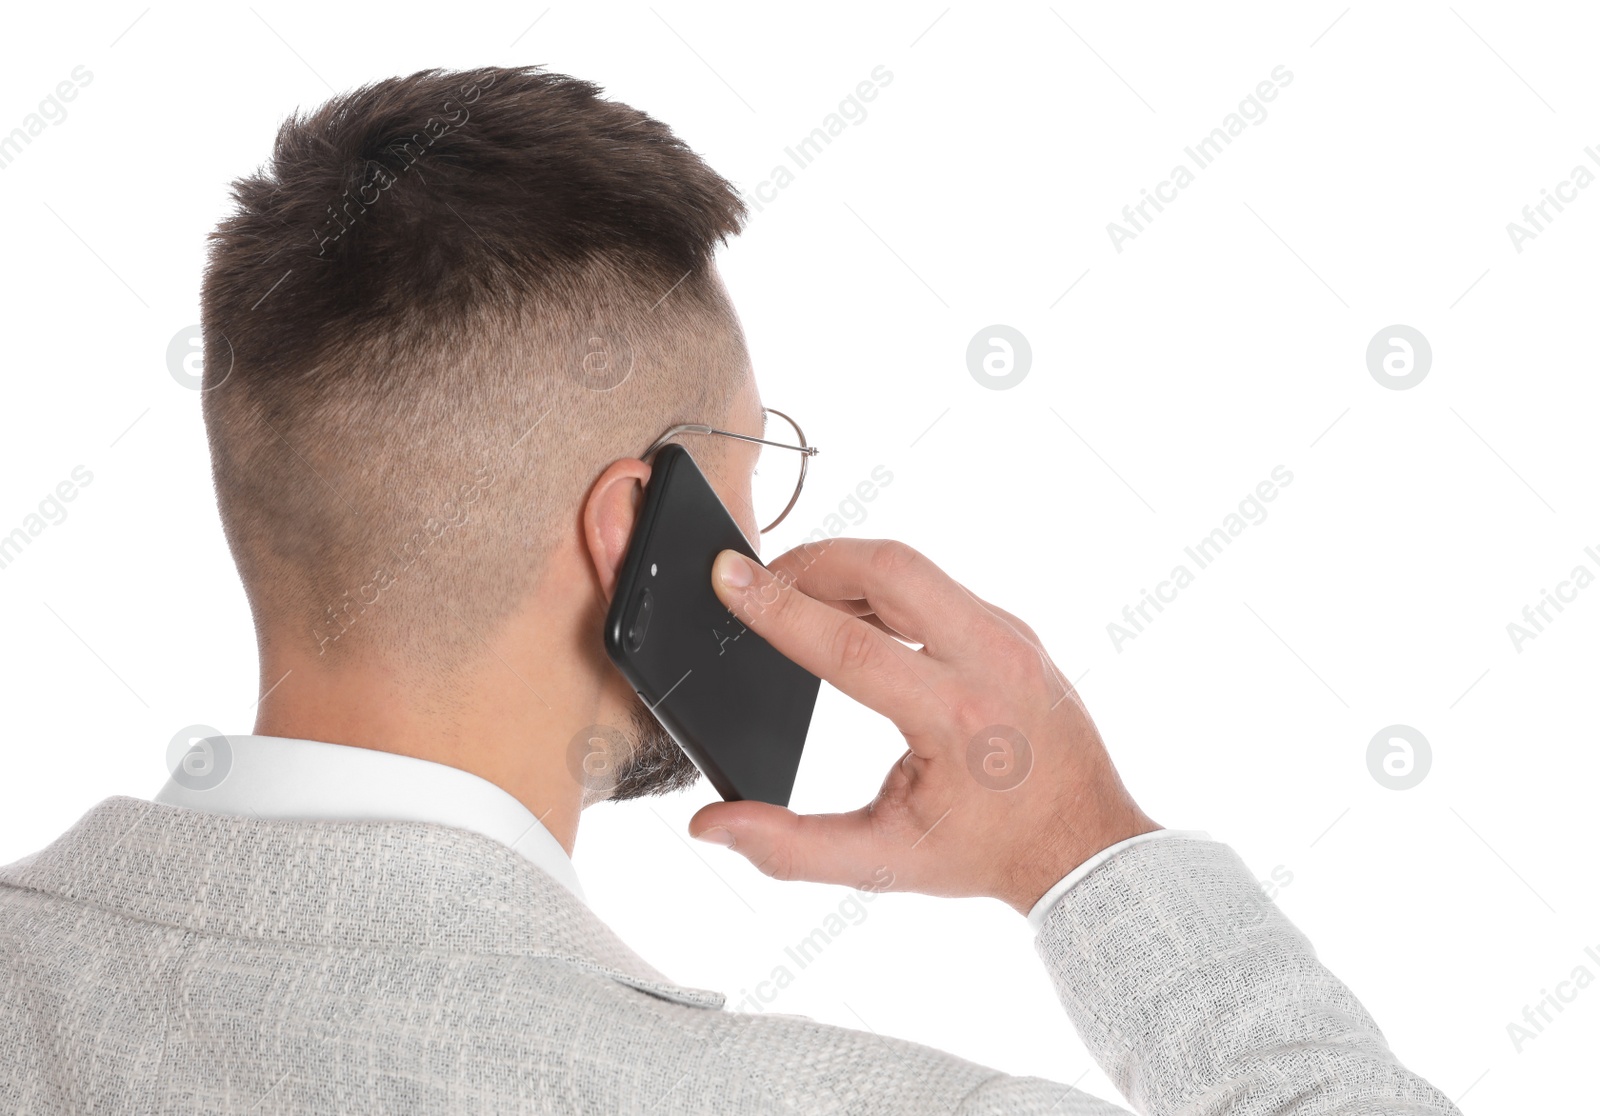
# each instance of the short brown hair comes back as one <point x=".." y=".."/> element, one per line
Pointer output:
<point x="440" y="309"/>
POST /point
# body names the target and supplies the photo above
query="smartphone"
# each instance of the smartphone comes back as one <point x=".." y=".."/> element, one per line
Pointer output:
<point x="737" y="707"/>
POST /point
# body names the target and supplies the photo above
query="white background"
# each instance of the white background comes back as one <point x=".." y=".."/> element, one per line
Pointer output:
<point x="1228" y="338"/>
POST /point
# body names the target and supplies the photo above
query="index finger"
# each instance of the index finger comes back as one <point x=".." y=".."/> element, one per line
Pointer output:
<point x="855" y="657"/>
<point x="903" y="587"/>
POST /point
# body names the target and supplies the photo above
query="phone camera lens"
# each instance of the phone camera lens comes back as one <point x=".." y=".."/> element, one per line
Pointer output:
<point x="641" y="620"/>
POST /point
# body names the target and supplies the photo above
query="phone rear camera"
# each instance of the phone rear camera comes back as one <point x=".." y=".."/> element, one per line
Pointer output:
<point x="641" y="620"/>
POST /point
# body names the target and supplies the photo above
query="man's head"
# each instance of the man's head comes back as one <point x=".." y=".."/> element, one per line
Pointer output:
<point x="440" y="326"/>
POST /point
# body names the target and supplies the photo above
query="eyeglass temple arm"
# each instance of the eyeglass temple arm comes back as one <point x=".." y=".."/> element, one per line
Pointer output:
<point x="697" y="428"/>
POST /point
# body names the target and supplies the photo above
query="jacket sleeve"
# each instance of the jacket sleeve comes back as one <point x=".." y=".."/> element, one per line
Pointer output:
<point x="1196" y="995"/>
<point x="1188" y="986"/>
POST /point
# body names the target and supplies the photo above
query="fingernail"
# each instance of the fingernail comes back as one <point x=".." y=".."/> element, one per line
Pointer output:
<point x="734" y="570"/>
<point x="717" y="835"/>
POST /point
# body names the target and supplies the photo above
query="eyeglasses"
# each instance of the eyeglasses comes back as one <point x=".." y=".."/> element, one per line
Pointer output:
<point x="778" y="476"/>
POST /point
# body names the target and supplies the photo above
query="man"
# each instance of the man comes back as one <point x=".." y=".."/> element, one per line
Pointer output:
<point x="442" y="325"/>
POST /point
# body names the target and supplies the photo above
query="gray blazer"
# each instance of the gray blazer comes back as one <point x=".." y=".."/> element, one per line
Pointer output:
<point x="162" y="960"/>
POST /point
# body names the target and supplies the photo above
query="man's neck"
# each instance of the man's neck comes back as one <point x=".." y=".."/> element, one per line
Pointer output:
<point x="491" y="722"/>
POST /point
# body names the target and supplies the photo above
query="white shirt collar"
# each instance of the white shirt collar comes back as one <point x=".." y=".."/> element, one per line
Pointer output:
<point x="274" y="777"/>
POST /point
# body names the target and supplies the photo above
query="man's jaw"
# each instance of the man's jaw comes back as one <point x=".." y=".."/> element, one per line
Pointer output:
<point x="656" y="765"/>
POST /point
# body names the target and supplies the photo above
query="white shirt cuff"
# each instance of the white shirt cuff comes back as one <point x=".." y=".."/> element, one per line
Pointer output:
<point x="1041" y="909"/>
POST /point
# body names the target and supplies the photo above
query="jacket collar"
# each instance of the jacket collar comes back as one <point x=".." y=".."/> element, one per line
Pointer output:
<point x="378" y="885"/>
<point x="277" y="777"/>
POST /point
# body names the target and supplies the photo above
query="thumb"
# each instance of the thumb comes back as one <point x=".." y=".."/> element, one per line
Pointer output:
<point x="819" y="848"/>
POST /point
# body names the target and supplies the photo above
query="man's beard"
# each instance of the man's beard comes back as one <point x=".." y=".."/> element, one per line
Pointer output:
<point x="656" y="766"/>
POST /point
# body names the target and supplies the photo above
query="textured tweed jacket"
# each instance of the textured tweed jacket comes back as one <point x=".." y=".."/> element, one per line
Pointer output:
<point x="161" y="960"/>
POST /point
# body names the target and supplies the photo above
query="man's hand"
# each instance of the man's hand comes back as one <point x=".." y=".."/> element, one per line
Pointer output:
<point x="1005" y="786"/>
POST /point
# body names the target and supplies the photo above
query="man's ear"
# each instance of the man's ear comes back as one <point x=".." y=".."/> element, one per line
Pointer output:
<point x="609" y="514"/>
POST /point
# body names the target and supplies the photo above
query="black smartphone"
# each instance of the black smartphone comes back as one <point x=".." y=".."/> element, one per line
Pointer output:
<point x="737" y="707"/>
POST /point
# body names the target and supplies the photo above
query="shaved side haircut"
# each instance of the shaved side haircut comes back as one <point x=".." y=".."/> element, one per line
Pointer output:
<point x="434" y="316"/>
